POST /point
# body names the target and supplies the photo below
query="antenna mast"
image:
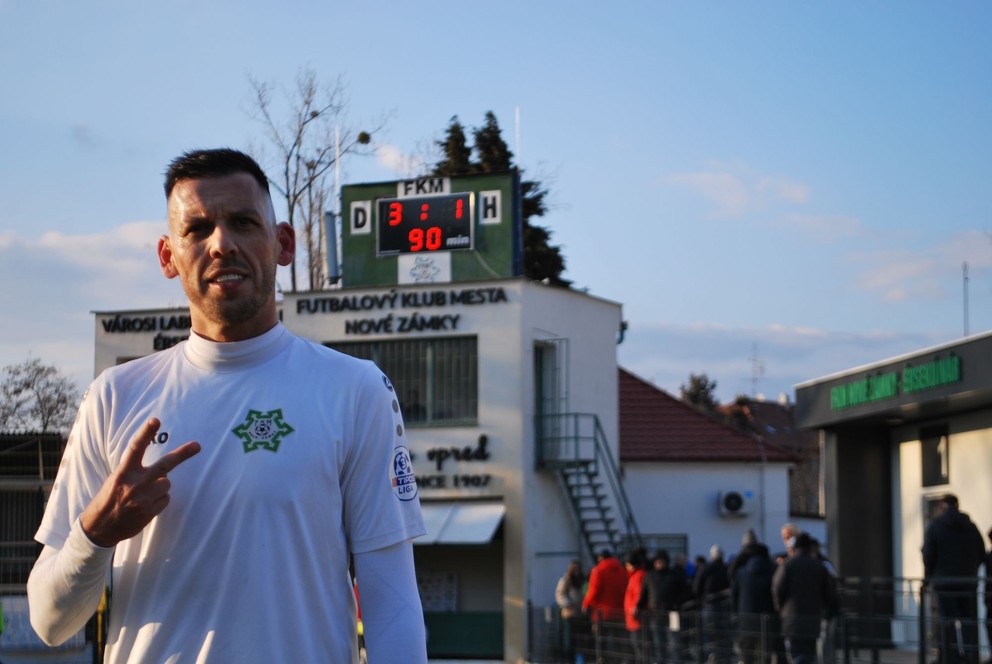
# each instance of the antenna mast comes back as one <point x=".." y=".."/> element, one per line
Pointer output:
<point x="964" y="269"/>
<point x="757" y="370"/>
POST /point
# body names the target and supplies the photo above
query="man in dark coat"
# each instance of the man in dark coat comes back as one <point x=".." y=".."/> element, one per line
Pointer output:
<point x="802" y="589"/>
<point x="712" y="589"/>
<point x="749" y="544"/>
<point x="664" y="588"/>
<point x="953" y="550"/>
<point x="751" y="597"/>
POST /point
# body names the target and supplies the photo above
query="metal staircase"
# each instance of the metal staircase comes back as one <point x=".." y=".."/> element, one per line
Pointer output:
<point x="575" y="447"/>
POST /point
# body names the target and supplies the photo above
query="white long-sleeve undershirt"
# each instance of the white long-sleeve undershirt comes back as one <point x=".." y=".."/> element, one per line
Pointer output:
<point x="391" y="611"/>
<point x="65" y="586"/>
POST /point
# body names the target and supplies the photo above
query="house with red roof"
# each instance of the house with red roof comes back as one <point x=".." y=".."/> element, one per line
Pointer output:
<point x="693" y="479"/>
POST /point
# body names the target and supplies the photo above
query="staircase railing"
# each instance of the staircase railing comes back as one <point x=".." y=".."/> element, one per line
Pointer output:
<point x="575" y="445"/>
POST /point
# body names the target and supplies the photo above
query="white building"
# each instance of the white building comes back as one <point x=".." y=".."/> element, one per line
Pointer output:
<point x="694" y="481"/>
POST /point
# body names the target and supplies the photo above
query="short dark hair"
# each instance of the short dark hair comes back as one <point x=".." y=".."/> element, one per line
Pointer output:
<point x="637" y="558"/>
<point x="949" y="499"/>
<point x="217" y="162"/>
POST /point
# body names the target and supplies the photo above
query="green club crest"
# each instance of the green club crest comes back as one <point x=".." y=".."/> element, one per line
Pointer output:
<point x="262" y="430"/>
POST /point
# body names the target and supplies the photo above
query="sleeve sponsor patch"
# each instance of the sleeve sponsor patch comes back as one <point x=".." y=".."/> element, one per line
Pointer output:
<point x="401" y="476"/>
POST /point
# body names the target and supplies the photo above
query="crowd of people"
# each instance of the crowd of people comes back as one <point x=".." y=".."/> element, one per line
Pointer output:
<point x="755" y="604"/>
<point x="758" y="606"/>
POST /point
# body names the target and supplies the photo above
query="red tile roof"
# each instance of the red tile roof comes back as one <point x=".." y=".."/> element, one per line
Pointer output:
<point x="776" y="423"/>
<point x="655" y="426"/>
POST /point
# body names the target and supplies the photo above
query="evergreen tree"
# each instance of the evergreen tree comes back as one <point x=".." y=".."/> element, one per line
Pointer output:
<point x="457" y="153"/>
<point x="542" y="260"/>
<point x="699" y="392"/>
<point x="493" y="155"/>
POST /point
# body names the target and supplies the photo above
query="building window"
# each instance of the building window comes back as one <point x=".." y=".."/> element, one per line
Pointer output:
<point x="436" y="379"/>
<point x="935" y="450"/>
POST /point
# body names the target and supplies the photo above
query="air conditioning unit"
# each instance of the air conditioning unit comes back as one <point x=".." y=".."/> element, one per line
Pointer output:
<point x="736" y="503"/>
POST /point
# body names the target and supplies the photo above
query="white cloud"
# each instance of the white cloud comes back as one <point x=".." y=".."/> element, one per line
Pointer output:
<point x="779" y="188"/>
<point x="899" y="275"/>
<point x="974" y="248"/>
<point x="55" y="281"/>
<point x="823" y="228"/>
<point x="393" y="159"/>
<point x="934" y="273"/>
<point x="389" y="156"/>
<point x="666" y="354"/>
<point x="727" y="191"/>
<point x="736" y="190"/>
<point x="129" y="246"/>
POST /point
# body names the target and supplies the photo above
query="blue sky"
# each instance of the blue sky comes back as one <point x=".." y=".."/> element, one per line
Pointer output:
<point x="793" y="186"/>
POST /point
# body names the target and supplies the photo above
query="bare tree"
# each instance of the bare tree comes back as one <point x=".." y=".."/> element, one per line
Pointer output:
<point x="305" y="130"/>
<point x="36" y="397"/>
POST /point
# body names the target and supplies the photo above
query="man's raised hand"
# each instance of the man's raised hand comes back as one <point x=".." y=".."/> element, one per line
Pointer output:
<point x="133" y="494"/>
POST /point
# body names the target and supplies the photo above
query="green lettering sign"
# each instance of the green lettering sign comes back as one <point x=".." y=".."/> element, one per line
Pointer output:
<point x="879" y="387"/>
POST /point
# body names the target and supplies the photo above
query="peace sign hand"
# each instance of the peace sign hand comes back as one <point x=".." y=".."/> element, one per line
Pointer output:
<point x="133" y="494"/>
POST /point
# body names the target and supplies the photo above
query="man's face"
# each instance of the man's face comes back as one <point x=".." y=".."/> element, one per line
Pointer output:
<point x="224" y="246"/>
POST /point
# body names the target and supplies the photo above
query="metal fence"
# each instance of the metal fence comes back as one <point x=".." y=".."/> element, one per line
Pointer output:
<point x="880" y="620"/>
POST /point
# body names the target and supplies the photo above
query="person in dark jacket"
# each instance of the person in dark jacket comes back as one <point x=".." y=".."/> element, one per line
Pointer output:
<point x="712" y="589"/>
<point x="751" y="598"/>
<point x="802" y="589"/>
<point x="953" y="550"/>
<point x="664" y="588"/>
<point x="749" y="544"/>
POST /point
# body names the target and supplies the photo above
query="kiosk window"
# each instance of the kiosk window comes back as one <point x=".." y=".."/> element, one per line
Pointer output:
<point x="436" y="379"/>
<point x="935" y="444"/>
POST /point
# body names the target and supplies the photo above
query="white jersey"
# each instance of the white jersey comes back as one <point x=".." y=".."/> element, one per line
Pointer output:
<point x="304" y="459"/>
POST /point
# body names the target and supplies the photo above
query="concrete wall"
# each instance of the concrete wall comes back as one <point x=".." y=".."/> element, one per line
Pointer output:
<point x="681" y="498"/>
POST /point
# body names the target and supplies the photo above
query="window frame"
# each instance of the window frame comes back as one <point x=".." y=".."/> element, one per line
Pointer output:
<point x="419" y="368"/>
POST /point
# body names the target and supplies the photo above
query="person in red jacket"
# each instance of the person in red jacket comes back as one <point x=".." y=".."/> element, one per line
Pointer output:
<point x="636" y="566"/>
<point x="603" y="602"/>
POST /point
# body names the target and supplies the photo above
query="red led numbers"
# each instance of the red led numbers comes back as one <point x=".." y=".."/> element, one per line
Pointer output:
<point x="395" y="213"/>
<point x="433" y="238"/>
<point x="421" y="239"/>
<point x="434" y="222"/>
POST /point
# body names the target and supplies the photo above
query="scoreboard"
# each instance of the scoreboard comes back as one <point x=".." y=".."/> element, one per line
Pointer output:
<point x="431" y="230"/>
<point x="425" y="223"/>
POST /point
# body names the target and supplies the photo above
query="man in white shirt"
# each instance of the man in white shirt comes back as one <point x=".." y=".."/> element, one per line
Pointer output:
<point x="234" y="547"/>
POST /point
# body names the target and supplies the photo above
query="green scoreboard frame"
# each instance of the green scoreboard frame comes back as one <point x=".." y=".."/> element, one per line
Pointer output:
<point x="431" y="230"/>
